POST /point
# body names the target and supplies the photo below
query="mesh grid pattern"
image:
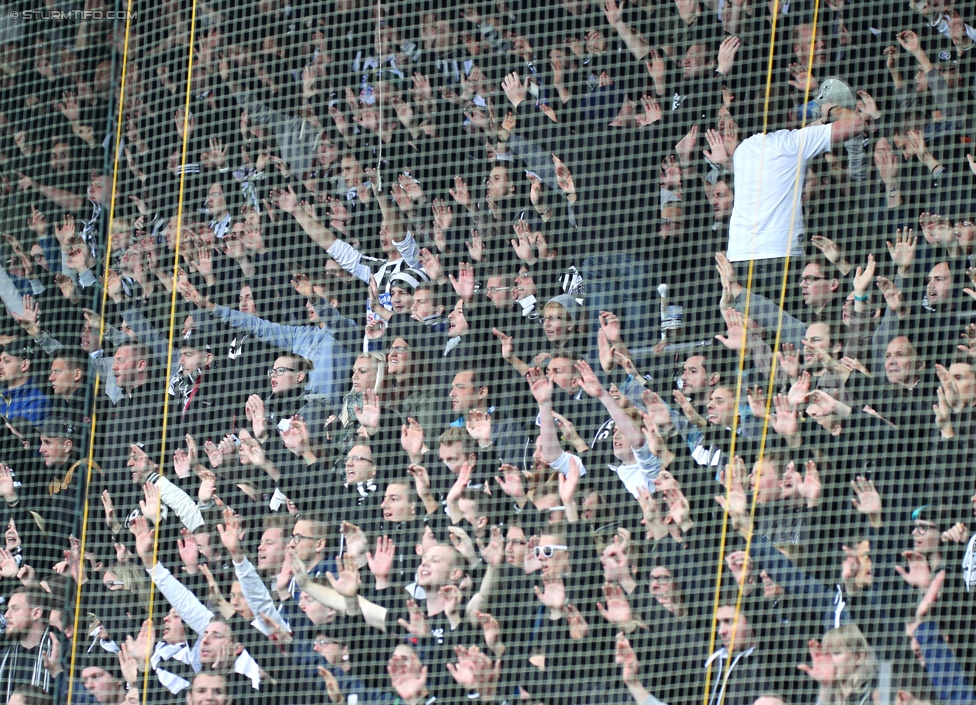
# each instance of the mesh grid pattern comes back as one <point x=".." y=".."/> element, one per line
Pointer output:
<point x="542" y="351"/>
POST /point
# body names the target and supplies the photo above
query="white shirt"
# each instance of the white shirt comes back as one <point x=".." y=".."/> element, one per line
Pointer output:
<point x="767" y="217"/>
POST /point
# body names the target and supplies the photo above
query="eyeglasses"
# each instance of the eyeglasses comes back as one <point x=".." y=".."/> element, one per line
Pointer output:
<point x="398" y="350"/>
<point x="298" y="537"/>
<point x="811" y="280"/>
<point x="547" y="550"/>
<point x="356" y="459"/>
<point x="278" y="371"/>
<point x="923" y="529"/>
<point x="492" y="290"/>
<point x="553" y="319"/>
<point x="323" y="642"/>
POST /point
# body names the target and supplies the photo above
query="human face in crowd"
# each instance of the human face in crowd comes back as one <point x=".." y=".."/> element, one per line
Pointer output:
<point x="562" y="372"/>
<point x="39" y="258"/>
<point x="696" y="61"/>
<point x="193" y="360"/>
<point x="328" y="648"/>
<point x="398" y="359"/>
<point x="327" y="152"/>
<point x="245" y="301"/>
<point x="457" y="324"/>
<point x="452" y="455"/>
<point x="397" y="505"/>
<point x="817" y="289"/>
<point x="801" y="48"/>
<point x="721" y="201"/>
<point x="515" y="543"/>
<point x="964" y="231"/>
<point x="621" y="448"/>
<point x="316" y="612"/>
<point x="306" y="541"/>
<point x="938" y="285"/>
<point x="102" y="685"/>
<point x="352" y="171"/>
<point x="524" y="285"/>
<point x="856" y="570"/>
<point x="216" y="203"/>
<point x="364" y="374"/>
<point x="96" y="189"/>
<point x="238" y="602"/>
<point x="102" y="77"/>
<point x="14" y="371"/>
<point x="60" y="158"/>
<point x="208" y="689"/>
<point x="464" y="395"/>
<point x="557" y="324"/>
<point x="672" y="221"/>
<point x="558" y="562"/>
<point x="233" y="241"/>
<point x="765" y="482"/>
<point x="173" y="631"/>
<point x="498" y="293"/>
<point x="422" y="307"/>
<point x="289" y="379"/>
<point x="359" y="465"/>
<point x="926" y="537"/>
<point x="818" y="338"/>
<point x="11" y="537"/>
<point x="127" y="368"/>
<point x="727" y="623"/>
<point x="662" y="586"/>
<point x="217" y="646"/>
<point x="19" y="617"/>
<point x="902" y="365"/>
<point x="720" y="409"/>
<point x="401" y="299"/>
<point x="963" y="377"/>
<point x="498" y="184"/>
<point x="437" y="568"/>
<point x="695" y="380"/>
<point x="271" y="550"/>
<point x="618" y="397"/>
<point x="64" y="380"/>
<point x="54" y="450"/>
<point x="139" y="464"/>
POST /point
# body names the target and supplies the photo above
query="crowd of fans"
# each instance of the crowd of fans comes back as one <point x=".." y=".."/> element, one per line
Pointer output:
<point x="543" y="351"/>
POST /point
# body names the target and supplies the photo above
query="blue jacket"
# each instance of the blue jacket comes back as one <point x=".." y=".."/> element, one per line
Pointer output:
<point x="26" y="401"/>
<point x="325" y="347"/>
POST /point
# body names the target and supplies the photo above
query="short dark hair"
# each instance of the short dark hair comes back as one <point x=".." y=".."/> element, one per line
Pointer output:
<point x="76" y="360"/>
<point x="35" y="597"/>
<point x="33" y="695"/>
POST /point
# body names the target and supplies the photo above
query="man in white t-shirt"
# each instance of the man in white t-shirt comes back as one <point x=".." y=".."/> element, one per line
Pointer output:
<point x="767" y="215"/>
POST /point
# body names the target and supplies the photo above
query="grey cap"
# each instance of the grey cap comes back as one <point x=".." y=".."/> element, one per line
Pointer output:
<point x="835" y="91"/>
<point x="569" y="303"/>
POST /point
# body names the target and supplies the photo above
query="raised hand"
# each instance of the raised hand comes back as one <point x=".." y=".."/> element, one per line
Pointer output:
<point x="588" y="380"/>
<point x="918" y="574"/>
<point x="464" y="283"/>
<point x="540" y="385"/>
<point x="460" y="193"/>
<point x="380" y="562"/>
<point x="903" y="250"/>
<point x="617" y="609"/>
<point x="789" y="361"/>
<point x="347" y="584"/>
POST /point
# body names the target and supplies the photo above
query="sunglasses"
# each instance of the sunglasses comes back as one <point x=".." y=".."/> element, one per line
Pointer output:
<point x="548" y="549"/>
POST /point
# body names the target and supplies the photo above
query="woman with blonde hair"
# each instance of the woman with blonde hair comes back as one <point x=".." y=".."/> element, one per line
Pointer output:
<point x="844" y="666"/>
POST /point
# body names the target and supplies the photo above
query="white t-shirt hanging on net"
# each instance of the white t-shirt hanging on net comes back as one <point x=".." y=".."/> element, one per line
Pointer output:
<point x="767" y="208"/>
